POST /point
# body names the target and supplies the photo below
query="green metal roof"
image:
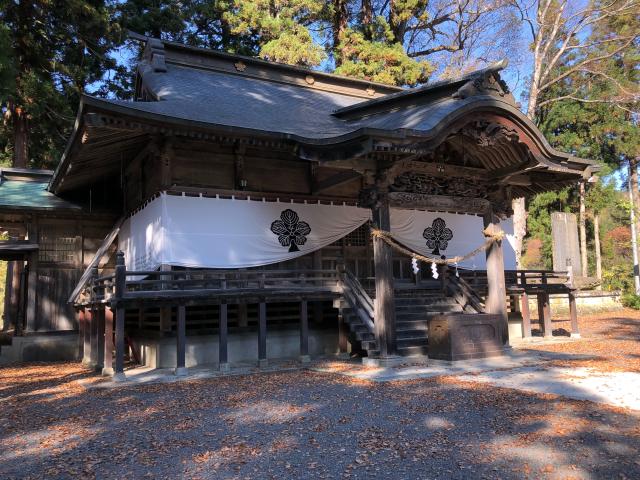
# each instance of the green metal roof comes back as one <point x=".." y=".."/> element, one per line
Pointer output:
<point x="22" y="189"/>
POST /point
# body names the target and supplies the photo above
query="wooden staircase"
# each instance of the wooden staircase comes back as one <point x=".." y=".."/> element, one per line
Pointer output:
<point x="415" y="305"/>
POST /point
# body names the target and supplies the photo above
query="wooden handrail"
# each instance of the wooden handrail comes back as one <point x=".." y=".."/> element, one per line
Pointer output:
<point x="460" y="284"/>
<point x="190" y="282"/>
<point x="357" y="298"/>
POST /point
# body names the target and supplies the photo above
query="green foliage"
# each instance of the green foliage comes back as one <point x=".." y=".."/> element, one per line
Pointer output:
<point x="281" y="27"/>
<point x="539" y="220"/>
<point x="53" y="51"/>
<point x="379" y="59"/>
<point x="618" y="278"/>
<point x="600" y="196"/>
<point x="631" y="300"/>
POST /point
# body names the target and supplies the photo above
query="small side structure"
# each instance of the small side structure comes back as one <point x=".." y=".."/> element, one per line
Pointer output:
<point x="243" y="194"/>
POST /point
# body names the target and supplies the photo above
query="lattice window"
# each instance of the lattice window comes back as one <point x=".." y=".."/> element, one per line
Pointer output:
<point x="57" y="247"/>
<point x="358" y="238"/>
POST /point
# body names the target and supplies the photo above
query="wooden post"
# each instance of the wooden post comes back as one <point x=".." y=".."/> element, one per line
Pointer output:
<point x="81" y="332"/>
<point x="385" y="309"/>
<point x="86" y="351"/>
<point x="93" y="317"/>
<point x="181" y="332"/>
<point x="8" y="294"/>
<point x="93" y="321"/>
<point x="526" y="315"/>
<point x="497" y="293"/>
<point x="342" y="335"/>
<point x="165" y="312"/>
<point x="262" y="334"/>
<point x="304" y="332"/>
<point x="32" y="281"/>
<point x="120" y="283"/>
<point x="317" y="305"/>
<point x="544" y="314"/>
<point x="99" y="316"/>
<point x="223" y="334"/>
<point x="107" y="364"/>
<point x="22" y="300"/>
<point x="573" y="313"/>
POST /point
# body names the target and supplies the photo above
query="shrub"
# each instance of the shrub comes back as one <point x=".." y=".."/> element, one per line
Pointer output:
<point x="631" y="300"/>
<point x="618" y="277"/>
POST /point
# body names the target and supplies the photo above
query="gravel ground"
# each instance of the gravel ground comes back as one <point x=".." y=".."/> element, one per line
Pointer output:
<point x="303" y="424"/>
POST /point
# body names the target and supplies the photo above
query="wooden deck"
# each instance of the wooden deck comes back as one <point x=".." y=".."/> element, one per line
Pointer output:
<point x="106" y="300"/>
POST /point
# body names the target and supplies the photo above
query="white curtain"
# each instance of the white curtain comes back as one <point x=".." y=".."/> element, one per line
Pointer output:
<point x="225" y="233"/>
<point x="448" y="234"/>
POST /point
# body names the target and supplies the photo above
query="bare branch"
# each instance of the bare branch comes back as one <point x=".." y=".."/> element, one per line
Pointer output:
<point x="583" y="64"/>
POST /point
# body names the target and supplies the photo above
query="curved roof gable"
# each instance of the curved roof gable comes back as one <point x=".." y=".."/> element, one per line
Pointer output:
<point x="187" y="91"/>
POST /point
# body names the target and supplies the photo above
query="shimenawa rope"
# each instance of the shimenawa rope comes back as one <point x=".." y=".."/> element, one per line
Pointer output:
<point x="393" y="243"/>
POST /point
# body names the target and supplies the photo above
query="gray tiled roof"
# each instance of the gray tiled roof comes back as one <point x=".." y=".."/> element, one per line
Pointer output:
<point x="218" y="98"/>
<point x="233" y="100"/>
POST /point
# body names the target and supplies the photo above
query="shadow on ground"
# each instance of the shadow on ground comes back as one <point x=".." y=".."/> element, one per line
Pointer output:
<point x="304" y="425"/>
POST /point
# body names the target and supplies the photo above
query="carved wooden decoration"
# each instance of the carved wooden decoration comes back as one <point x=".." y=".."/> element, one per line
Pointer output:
<point x="488" y="134"/>
<point x="438" y="202"/>
<point x="414" y="182"/>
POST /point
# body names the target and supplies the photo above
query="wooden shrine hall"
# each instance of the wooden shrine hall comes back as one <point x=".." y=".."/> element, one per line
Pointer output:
<point x="238" y="210"/>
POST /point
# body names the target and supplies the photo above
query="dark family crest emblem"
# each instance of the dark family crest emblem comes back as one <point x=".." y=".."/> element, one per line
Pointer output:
<point x="437" y="236"/>
<point x="291" y="231"/>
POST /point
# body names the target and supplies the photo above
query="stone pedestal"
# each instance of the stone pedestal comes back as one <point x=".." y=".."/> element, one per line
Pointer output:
<point x="466" y="336"/>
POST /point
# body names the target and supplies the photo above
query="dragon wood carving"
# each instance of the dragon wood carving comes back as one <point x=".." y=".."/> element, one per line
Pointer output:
<point x="488" y="134"/>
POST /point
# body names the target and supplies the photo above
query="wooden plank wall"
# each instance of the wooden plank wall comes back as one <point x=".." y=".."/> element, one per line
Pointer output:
<point x="66" y="247"/>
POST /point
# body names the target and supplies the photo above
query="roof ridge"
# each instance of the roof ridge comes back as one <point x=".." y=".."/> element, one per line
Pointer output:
<point x="492" y="68"/>
<point x="261" y="62"/>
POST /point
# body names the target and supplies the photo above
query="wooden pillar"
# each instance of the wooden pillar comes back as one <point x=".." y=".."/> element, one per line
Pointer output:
<point x="22" y="300"/>
<point x="304" y="332"/>
<point x="262" y="334"/>
<point x="317" y="305"/>
<point x="86" y="350"/>
<point x="165" y="312"/>
<point x="573" y="313"/>
<point x="93" y="317"/>
<point x="544" y="314"/>
<point x="223" y="339"/>
<point x="8" y="289"/>
<point x="385" y="309"/>
<point x="526" y="315"/>
<point x="117" y="303"/>
<point x="181" y="332"/>
<point x="496" y="302"/>
<point x="99" y="316"/>
<point x="81" y="328"/>
<point x="107" y="364"/>
<point x="14" y="295"/>
<point x="32" y="280"/>
<point x="342" y="335"/>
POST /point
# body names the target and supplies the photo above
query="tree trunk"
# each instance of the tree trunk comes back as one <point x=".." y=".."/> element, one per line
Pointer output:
<point x="398" y="26"/>
<point x="20" y="139"/>
<point x="596" y="238"/>
<point x="519" y="227"/>
<point x="583" y="234"/>
<point x="340" y="21"/>
<point x="366" y="17"/>
<point x="633" y="197"/>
